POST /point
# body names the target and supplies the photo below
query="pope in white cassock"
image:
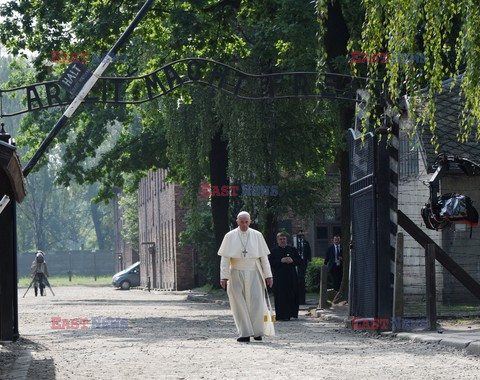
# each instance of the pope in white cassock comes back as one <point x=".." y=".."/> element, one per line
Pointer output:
<point x="244" y="254"/>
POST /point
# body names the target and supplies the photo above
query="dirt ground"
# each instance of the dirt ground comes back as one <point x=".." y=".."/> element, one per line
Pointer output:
<point x="164" y="336"/>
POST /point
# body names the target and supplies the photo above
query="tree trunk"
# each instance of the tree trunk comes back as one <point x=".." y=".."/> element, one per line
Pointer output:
<point x="336" y="40"/>
<point x="98" y="225"/>
<point x="271" y="228"/>
<point x="219" y="177"/>
<point x="342" y="294"/>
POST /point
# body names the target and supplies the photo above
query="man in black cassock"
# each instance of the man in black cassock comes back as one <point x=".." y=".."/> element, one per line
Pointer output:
<point x="283" y="261"/>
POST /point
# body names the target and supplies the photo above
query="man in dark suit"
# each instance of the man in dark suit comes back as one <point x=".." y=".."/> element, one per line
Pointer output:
<point x="334" y="261"/>
<point x="305" y="253"/>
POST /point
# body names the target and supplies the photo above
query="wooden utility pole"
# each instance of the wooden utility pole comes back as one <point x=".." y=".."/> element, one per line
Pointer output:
<point x="398" y="284"/>
<point x="430" y="286"/>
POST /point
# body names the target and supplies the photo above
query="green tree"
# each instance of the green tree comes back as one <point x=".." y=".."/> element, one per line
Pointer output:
<point x="200" y="136"/>
<point x="447" y="33"/>
<point x="52" y="216"/>
<point x="130" y="227"/>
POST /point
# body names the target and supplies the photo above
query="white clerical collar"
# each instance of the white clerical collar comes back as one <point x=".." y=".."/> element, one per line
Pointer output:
<point x="243" y="232"/>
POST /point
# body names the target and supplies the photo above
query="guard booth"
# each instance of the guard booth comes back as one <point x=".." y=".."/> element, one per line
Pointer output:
<point x="371" y="272"/>
<point x="12" y="190"/>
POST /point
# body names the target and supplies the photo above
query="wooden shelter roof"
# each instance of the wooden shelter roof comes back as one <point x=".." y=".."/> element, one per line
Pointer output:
<point x="12" y="182"/>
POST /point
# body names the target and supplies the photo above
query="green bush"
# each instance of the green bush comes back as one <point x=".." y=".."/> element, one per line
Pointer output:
<point x="312" y="277"/>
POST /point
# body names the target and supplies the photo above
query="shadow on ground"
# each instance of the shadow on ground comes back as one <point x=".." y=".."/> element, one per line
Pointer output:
<point x="17" y="361"/>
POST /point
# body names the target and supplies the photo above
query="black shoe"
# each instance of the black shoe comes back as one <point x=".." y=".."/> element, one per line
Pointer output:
<point x="283" y="319"/>
<point x="257" y="338"/>
<point x="244" y="339"/>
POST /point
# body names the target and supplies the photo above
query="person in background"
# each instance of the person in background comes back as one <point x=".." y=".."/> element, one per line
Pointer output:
<point x="284" y="261"/>
<point x="305" y="254"/>
<point x="39" y="273"/>
<point x="334" y="262"/>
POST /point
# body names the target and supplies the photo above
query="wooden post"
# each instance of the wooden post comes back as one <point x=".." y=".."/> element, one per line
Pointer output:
<point x="440" y="255"/>
<point x="322" y="303"/>
<point x="70" y="266"/>
<point x="398" y="285"/>
<point x="94" y="266"/>
<point x="8" y="270"/>
<point x="430" y="288"/>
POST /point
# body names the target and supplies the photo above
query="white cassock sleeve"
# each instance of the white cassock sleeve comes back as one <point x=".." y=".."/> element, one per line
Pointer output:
<point x="267" y="271"/>
<point x="225" y="268"/>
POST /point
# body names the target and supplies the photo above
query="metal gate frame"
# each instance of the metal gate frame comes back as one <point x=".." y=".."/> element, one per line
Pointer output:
<point x="371" y="290"/>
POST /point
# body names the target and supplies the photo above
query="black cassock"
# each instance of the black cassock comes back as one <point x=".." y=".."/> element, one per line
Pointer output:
<point x="285" y="283"/>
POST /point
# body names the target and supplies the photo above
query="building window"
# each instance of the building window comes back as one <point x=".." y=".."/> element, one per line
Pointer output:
<point x="322" y="233"/>
<point x="409" y="148"/>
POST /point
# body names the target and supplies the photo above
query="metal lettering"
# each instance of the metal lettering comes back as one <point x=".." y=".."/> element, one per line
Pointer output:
<point x="35" y="98"/>
<point x="53" y="96"/>
<point x="172" y="76"/>
<point x="152" y="81"/>
<point x="194" y="70"/>
<point x="178" y="73"/>
<point x="220" y="73"/>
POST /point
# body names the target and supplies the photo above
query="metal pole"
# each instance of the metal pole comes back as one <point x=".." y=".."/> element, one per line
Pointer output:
<point x="29" y="286"/>
<point x="398" y="285"/>
<point x="4" y="202"/>
<point x="86" y="88"/>
<point x="322" y="304"/>
<point x="82" y="94"/>
<point x="430" y="288"/>
<point x="147" y="259"/>
<point x="94" y="265"/>
<point x="149" y="284"/>
<point x="70" y="266"/>
<point x="16" y="334"/>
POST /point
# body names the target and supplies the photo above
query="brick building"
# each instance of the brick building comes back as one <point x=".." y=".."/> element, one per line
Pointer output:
<point x="161" y="220"/>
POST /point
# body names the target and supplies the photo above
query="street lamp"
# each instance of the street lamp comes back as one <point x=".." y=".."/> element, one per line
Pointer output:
<point x="151" y="250"/>
<point x="120" y="261"/>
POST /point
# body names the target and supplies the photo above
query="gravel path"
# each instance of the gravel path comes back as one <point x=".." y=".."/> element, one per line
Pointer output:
<point x="170" y="338"/>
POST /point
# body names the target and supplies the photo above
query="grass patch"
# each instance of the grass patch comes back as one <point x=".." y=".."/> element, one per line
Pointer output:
<point x="448" y="308"/>
<point x="211" y="291"/>
<point x="76" y="280"/>
<point x="220" y="293"/>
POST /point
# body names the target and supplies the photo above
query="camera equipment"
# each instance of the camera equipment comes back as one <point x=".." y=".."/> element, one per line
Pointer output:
<point x="441" y="211"/>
